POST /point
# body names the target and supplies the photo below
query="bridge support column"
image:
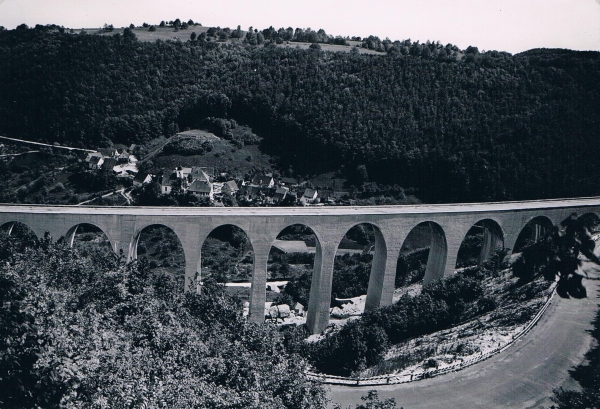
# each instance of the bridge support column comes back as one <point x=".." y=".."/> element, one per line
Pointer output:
<point x="192" y="267"/>
<point x="492" y="241"/>
<point x="383" y="274"/>
<point x="258" y="290"/>
<point x="320" y="288"/>
<point x="118" y="247"/>
<point x="450" y="267"/>
<point x="438" y="264"/>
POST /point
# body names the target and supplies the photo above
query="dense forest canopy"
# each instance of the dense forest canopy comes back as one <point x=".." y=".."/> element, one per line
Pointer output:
<point x="468" y="126"/>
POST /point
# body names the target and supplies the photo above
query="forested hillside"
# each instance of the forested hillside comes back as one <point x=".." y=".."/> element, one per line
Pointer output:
<point x="457" y="127"/>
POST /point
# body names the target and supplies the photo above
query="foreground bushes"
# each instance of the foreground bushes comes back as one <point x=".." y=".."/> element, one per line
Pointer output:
<point x="93" y="331"/>
<point x="362" y="343"/>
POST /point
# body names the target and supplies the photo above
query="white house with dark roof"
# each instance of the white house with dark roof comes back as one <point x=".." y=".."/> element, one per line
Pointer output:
<point x="96" y="161"/>
<point x="309" y="196"/>
<point x="182" y="172"/>
<point x="141" y="178"/>
<point x="166" y="181"/>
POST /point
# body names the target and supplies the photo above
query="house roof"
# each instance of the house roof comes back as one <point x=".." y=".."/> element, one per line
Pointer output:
<point x="107" y="151"/>
<point x="310" y="193"/>
<point x="339" y="195"/>
<point x="262" y="179"/>
<point x="140" y="177"/>
<point x="201" y="186"/>
<point x="199" y="174"/>
<point x="166" y="180"/>
<point x="210" y="171"/>
<point x="281" y="190"/>
<point x="289" y="181"/>
<point x="93" y="155"/>
<point x="109" y="163"/>
<point x="231" y="185"/>
<point x="95" y="159"/>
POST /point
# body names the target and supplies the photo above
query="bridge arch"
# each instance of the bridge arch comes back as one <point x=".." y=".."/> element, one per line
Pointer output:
<point x="479" y="244"/>
<point x="295" y="246"/>
<point x="70" y="236"/>
<point x="163" y="247"/>
<point x="19" y="229"/>
<point x="359" y="264"/>
<point x="534" y="230"/>
<point x="227" y="255"/>
<point x="432" y="235"/>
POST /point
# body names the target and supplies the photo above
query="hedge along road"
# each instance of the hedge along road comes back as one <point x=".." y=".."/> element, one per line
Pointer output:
<point x="523" y="376"/>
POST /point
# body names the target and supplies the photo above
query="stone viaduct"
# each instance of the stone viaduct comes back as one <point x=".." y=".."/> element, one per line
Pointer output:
<point x="502" y="224"/>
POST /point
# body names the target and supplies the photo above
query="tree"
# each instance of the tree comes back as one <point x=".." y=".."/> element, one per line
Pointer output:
<point x="193" y="36"/>
<point x="129" y="35"/>
<point x="87" y="329"/>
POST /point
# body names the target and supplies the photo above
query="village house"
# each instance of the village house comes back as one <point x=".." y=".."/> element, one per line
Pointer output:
<point x="288" y="182"/>
<point x="166" y="183"/>
<point x="141" y="179"/>
<point x="109" y="152"/>
<point x="280" y="193"/>
<point x="230" y="188"/>
<point x="123" y="157"/>
<point x="309" y="196"/>
<point x="108" y="164"/>
<point x="263" y="180"/>
<point x="198" y="173"/>
<point x="201" y="188"/>
<point x="182" y="172"/>
<point x="252" y="192"/>
<point x="95" y="161"/>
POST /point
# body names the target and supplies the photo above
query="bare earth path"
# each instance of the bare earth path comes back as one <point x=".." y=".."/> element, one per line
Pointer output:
<point x="523" y="376"/>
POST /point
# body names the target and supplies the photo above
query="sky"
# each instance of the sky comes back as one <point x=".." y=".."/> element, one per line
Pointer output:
<point x="504" y="25"/>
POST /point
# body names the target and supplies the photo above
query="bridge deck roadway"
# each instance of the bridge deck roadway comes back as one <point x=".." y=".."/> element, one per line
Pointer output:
<point x="309" y="210"/>
<point x="523" y="376"/>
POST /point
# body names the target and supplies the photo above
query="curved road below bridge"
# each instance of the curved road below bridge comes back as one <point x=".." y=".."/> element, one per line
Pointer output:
<point x="523" y="376"/>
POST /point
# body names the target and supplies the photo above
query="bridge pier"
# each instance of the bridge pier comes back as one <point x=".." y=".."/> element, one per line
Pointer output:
<point x="382" y="279"/>
<point x="320" y="288"/>
<point x="438" y="264"/>
<point x="192" y="267"/>
<point x="258" y="289"/>
<point x="492" y="241"/>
